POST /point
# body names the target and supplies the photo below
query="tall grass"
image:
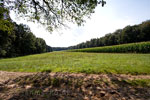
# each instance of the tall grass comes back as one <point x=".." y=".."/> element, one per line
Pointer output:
<point x="142" y="47"/>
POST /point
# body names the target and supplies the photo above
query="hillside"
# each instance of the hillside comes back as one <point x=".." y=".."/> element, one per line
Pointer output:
<point x="76" y="62"/>
<point x="76" y="76"/>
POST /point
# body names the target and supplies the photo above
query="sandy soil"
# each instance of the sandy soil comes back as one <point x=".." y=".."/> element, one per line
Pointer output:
<point x="66" y="86"/>
<point x="5" y="76"/>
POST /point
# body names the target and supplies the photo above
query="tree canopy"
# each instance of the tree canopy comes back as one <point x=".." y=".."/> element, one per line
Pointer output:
<point x="53" y="13"/>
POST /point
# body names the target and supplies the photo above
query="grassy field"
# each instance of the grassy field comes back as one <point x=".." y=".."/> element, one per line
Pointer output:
<point x="79" y="63"/>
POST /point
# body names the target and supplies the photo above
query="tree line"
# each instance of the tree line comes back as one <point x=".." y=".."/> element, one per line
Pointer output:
<point x="59" y="48"/>
<point x="18" y="40"/>
<point x="129" y="34"/>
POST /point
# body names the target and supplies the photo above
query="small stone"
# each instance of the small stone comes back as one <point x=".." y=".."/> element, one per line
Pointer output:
<point x="11" y="86"/>
<point x="123" y="98"/>
<point x="28" y="86"/>
<point x="113" y="92"/>
<point x="102" y="93"/>
<point x="98" y="88"/>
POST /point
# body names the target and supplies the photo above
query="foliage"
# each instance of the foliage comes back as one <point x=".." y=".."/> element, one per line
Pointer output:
<point x="6" y="32"/>
<point x="78" y="62"/>
<point x="59" y="48"/>
<point x="53" y="13"/>
<point x="5" y="24"/>
<point x="143" y="47"/>
<point x="48" y="48"/>
<point x="18" y="40"/>
<point x="130" y="34"/>
<point x="40" y="45"/>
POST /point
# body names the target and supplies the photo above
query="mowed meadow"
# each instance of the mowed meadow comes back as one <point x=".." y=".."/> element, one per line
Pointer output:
<point x="79" y="62"/>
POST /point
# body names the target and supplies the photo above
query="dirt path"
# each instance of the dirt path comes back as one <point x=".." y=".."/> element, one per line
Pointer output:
<point x="66" y="86"/>
<point x="4" y="75"/>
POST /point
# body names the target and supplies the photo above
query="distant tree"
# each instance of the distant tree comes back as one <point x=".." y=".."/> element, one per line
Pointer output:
<point x="136" y="33"/>
<point x="5" y="21"/>
<point x="5" y="42"/>
<point x="126" y="34"/>
<point x="145" y="31"/>
<point x="59" y="48"/>
<point x="112" y="40"/>
<point x="48" y="48"/>
<point x="40" y="45"/>
<point x="107" y="39"/>
<point x="93" y="43"/>
<point x="25" y="40"/>
<point x="20" y="41"/>
<point x="6" y="32"/>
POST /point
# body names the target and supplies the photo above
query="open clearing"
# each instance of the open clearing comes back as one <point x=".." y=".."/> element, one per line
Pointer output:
<point x="76" y="76"/>
<point x="75" y="62"/>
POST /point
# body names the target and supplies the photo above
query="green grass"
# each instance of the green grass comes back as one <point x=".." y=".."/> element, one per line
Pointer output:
<point x="141" y="47"/>
<point x="79" y="62"/>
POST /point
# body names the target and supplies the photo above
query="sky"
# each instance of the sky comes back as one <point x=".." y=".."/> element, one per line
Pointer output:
<point x="116" y="14"/>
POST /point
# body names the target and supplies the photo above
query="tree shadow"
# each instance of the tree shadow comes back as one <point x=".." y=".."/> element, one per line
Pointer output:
<point x="41" y="86"/>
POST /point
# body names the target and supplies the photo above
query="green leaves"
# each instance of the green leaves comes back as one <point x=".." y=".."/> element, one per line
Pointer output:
<point x="5" y="24"/>
<point x="54" y="13"/>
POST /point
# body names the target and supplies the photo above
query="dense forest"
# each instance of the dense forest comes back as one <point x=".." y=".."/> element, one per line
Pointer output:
<point x="18" y="40"/>
<point x="129" y="34"/>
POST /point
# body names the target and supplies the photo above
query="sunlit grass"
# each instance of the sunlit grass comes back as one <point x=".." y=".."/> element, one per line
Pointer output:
<point x="79" y="62"/>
